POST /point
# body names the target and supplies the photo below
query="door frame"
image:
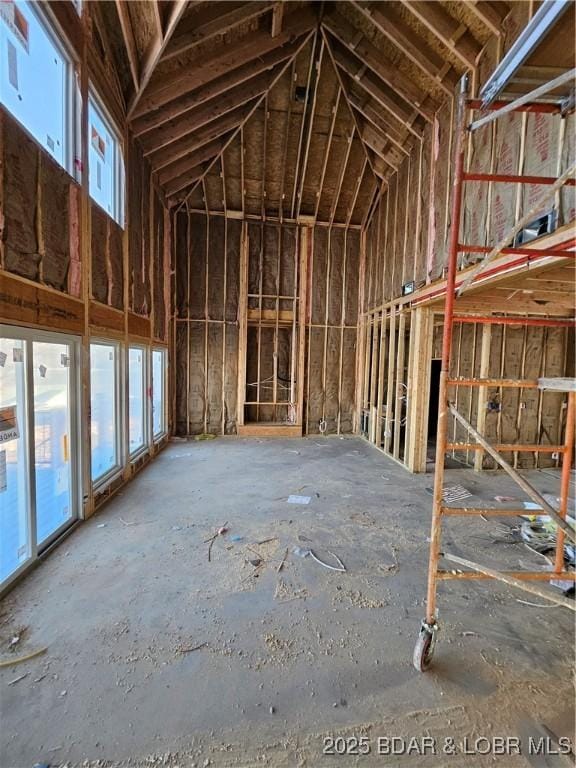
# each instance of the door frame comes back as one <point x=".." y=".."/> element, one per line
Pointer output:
<point x="28" y="336"/>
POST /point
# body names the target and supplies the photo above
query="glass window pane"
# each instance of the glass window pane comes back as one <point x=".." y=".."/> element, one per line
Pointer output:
<point x="38" y="102"/>
<point x="14" y="496"/>
<point x="105" y="163"/>
<point x="158" y="392"/>
<point x="104" y="418"/>
<point x="136" y="397"/>
<point x="52" y="434"/>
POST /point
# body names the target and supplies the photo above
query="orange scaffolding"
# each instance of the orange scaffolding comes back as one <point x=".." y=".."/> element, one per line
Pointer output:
<point x="424" y="648"/>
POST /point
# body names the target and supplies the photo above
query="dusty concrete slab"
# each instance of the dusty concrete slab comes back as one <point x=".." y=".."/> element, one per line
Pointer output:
<point x="290" y="658"/>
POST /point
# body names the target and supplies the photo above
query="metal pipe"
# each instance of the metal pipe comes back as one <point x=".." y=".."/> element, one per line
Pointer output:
<point x="492" y="320"/>
<point x="565" y="478"/>
<point x="531" y="492"/>
<point x="543" y="108"/>
<point x="560" y="252"/>
<point x="505" y="178"/>
<point x="441" y="437"/>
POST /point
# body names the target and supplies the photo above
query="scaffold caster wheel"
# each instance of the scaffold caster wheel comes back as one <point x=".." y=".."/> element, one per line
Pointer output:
<point x="424" y="648"/>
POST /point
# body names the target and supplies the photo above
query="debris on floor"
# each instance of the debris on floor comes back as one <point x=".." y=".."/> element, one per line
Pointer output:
<point x="455" y="493"/>
<point x="299" y="499"/>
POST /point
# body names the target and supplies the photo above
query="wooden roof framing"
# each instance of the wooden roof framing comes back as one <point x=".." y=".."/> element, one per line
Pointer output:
<point x="239" y="79"/>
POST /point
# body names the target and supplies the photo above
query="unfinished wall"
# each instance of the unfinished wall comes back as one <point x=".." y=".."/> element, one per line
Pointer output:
<point x="331" y="330"/>
<point x="207" y="259"/>
<point x="406" y="239"/>
<point x="408" y="234"/>
<point x="40" y="210"/>
<point x="67" y="266"/>
<point x="207" y="285"/>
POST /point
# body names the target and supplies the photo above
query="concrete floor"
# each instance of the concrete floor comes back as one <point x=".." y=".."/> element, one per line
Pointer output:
<point x="289" y="658"/>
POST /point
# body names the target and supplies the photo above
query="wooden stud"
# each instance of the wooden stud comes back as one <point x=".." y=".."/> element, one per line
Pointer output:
<point x="242" y="325"/>
<point x="399" y="384"/>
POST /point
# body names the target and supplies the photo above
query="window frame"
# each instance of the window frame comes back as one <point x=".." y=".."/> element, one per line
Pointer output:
<point x="119" y="176"/>
<point x="158" y="436"/>
<point x="29" y="335"/>
<point x="71" y="98"/>
<point x="111" y="474"/>
<point x="146" y="409"/>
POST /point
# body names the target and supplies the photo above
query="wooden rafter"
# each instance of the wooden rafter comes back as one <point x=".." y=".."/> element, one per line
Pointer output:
<point x="155" y="51"/>
<point x="407" y="41"/>
<point x="209" y="132"/>
<point x="352" y="39"/>
<point x="214" y="20"/>
<point x="451" y="33"/>
<point x="197" y="117"/>
<point x="191" y="160"/>
<point x="490" y="15"/>
<point x="356" y="192"/>
<point x="215" y="88"/>
<point x="129" y="41"/>
<point x="342" y="86"/>
<point x="378" y="144"/>
<point x="286" y="142"/>
<point x="341" y="173"/>
<point x="327" y="152"/>
<point x="183" y="181"/>
<point x="369" y="110"/>
<point x="250" y="113"/>
<point x="303" y="124"/>
<point x="368" y="82"/>
<point x="200" y="72"/>
<point x="318" y="72"/>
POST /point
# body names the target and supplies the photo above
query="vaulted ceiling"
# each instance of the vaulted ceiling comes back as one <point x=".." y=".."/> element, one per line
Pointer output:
<point x="294" y="109"/>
